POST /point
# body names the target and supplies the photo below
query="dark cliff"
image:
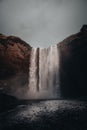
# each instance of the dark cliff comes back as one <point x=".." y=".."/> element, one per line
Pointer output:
<point x="73" y="64"/>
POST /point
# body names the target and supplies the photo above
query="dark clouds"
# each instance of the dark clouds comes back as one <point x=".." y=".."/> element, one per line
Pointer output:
<point x="42" y="22"/>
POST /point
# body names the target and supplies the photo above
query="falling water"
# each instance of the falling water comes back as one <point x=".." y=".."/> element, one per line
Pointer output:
<point x="44" y="73"/>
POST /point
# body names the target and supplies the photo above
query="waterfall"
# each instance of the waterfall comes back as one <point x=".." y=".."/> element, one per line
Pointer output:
<point x="44" y="73"/>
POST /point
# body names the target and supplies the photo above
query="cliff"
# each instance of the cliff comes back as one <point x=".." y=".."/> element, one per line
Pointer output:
<point x="73" y="64"/>
<point x="14" y="62"/>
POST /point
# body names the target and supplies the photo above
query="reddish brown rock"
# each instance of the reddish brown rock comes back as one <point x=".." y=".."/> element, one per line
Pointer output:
<point x="14" y="61"/>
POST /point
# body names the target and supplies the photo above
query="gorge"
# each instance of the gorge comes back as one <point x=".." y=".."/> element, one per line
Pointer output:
<point x="44" y="73"/>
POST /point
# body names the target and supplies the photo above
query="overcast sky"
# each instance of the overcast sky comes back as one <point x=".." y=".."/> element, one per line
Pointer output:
<point x="42" y="22"/>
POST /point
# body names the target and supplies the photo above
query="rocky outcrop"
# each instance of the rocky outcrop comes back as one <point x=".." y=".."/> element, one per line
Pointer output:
<point x="73" y="64"/>
<point x="14" y="62"/>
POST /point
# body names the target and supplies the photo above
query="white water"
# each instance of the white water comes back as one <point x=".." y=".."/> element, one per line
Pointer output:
<point x="44" y="73"/>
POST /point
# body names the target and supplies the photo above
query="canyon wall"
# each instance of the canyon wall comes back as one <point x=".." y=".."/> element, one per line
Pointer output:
<point x="73" y="65"/>
<point x="14" y="65"/>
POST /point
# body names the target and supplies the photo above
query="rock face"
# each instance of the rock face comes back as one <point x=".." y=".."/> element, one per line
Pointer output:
<point x="73" y="64"/>
<point x="14" y="63"/>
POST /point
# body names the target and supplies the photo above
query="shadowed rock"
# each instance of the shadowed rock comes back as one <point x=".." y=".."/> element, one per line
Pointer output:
<point x="73" y="64"/>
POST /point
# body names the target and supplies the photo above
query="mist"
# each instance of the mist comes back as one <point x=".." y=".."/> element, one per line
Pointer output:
<point x="42" y="23"/>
